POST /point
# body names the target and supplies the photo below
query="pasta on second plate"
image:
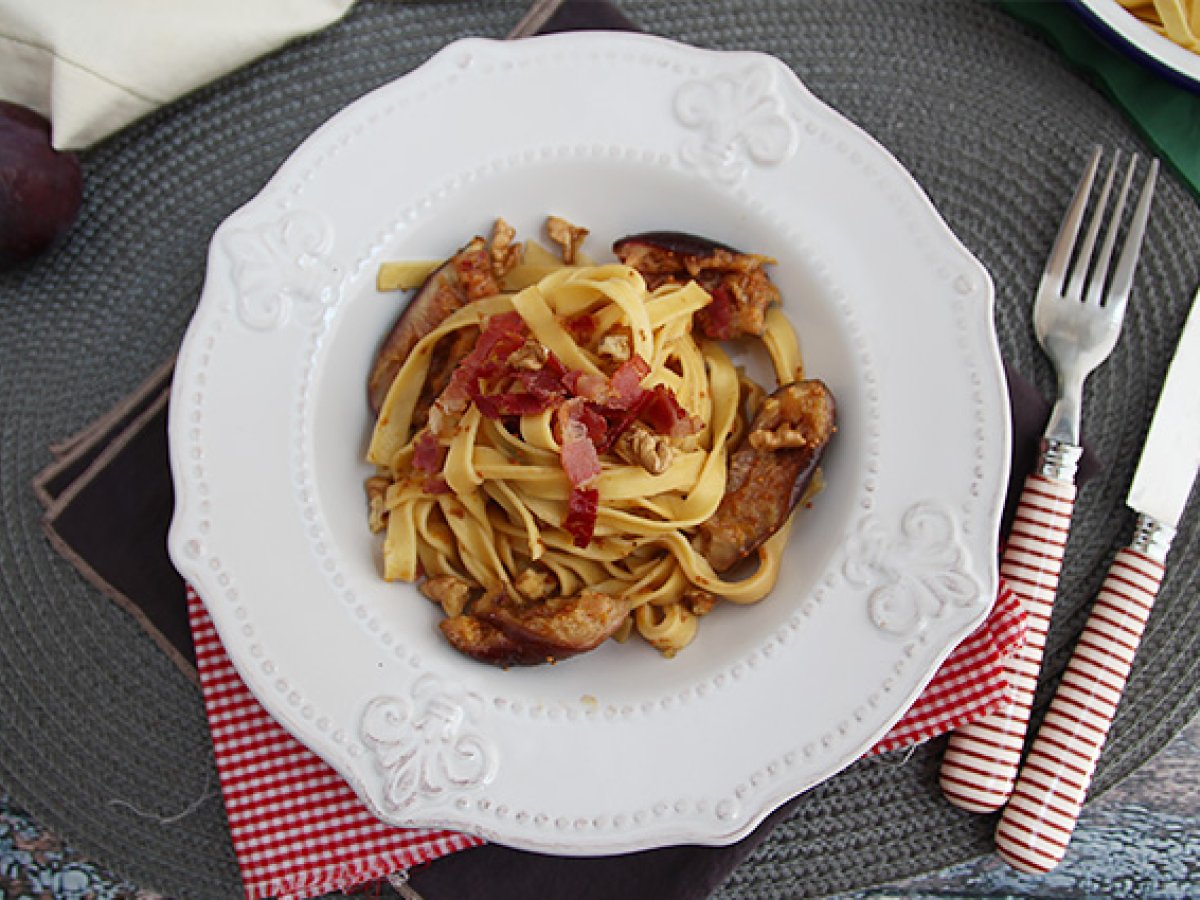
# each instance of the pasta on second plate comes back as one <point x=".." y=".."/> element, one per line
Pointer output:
<point x="1176" y="20"/>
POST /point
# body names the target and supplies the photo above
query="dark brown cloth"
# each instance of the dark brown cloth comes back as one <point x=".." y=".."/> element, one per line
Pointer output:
<point x="109" y="499"/>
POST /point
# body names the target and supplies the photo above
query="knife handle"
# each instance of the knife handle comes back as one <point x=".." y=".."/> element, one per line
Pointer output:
<point x="1036" y="827"/>
<point x="982" y="758"/>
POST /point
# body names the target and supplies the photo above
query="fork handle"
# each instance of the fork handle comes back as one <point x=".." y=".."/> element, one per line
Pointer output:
<point x="982" y="758"/>
<point x="1036" y="826"/>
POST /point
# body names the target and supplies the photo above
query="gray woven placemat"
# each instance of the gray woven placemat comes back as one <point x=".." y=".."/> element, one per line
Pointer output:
<point x="105" y="741"/>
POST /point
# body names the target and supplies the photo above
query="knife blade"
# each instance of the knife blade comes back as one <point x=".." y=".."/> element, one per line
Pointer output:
<point x="1036" y="826"/>
<point x="1167" y="468"/>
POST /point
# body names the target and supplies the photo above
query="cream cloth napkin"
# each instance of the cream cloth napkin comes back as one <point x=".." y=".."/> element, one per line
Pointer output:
<point x="93" y="66"/>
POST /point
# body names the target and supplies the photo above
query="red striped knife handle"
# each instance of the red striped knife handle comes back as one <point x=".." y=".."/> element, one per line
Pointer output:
<point x="982" y="758"/>
<point x="1036" y="827"/>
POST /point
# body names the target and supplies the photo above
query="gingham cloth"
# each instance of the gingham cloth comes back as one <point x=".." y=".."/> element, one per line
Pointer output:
<point x="299" y="830"/>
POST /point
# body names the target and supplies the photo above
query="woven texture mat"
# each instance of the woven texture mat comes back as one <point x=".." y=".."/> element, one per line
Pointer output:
<point x="104" y="740"/>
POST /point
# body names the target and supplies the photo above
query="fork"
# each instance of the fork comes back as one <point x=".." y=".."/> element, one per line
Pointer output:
<point x="1077" y="318"/>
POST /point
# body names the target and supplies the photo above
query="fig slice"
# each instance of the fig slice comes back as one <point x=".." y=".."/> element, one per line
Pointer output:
<point x="740" y="288"/>
<point x="500" y="631"/>
<point x="681" y="243"/>
<point x="466" y="276"/>
<point x="484" y="642"/>
<point x="769" y="472"/>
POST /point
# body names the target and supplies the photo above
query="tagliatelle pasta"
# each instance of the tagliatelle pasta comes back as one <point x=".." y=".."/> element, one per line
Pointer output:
<point x="1176" y="20"/>
<point x="521" y="480"/>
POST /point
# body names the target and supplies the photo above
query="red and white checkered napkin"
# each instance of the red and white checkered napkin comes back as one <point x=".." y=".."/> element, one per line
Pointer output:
<point x="971" y="682"/>
<point x="299" y="830"/>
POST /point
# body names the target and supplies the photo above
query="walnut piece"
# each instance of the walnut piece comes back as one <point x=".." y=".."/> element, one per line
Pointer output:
<point x="534" y="584"/>
<point x="567" y="236"/>
<point x="782" y="438"/>
<point x="786" y="422"/>
<point x="377" y="486"/>
<point x="615" y="347"/>
<point x="531" y="355"/>
<point x="698" y="601"/>
<point x="640" y="446"/>
<point x="504" y="252"/>
<point x="450" y="591"/>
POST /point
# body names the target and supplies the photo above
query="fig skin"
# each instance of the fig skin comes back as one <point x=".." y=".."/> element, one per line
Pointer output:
<point x="464" y="277"/>
<point x="41" y="189"/>
<point x="680" y="242"/>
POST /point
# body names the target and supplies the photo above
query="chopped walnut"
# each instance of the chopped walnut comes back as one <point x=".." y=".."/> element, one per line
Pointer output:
<point x="377" y="486"/>
<point x="450" y="591"/>
<point x="473" y="266"/>
<point x="615" y="346"/>
<point x="640" y="446"/>
<point x="531" y="355"/>
<point x="789" y="421"/>
<point x="535" y="584"/>
<point x="782" y="438"/>
<point x="567" y="236"/>
<point x="698" y="601"/>
<point x="504" y="252"/>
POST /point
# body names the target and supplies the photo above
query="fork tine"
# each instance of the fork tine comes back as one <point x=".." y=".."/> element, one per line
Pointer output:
<point x="1083" y="259"/>
<point x="1122" y="279"/>
<point x="1100" y="277"/>
<point x="1060" y="255"/>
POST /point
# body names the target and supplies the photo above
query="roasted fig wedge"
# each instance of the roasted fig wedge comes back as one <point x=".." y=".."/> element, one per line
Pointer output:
<point x="486" y="643"/>
<point x="503" y="632"/>
<point x="466" y="276"/>
<point x="740" y="287"/>
<point x="769" y="472"/>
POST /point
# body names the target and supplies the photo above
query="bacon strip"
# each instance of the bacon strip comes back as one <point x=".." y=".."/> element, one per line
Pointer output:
<point x="663" y="413"/>
<point x="501" y="336"/>
<point x="580" y="523"/>
<point x="581" y="461"/>
<point x="579" y="458"/>
<point x="626" y="382"/>
<point x="428" y="453"/>
<point x="716" y="319"/>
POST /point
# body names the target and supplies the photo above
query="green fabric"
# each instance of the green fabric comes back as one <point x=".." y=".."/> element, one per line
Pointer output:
<point x="1167" y="114"/>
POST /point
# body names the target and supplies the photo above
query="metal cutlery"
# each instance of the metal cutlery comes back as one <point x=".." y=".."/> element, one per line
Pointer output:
<point x="1037" y="824"/>
<point x="1078" y="313"/>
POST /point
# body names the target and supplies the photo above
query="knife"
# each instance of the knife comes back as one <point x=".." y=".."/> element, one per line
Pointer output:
<point x="1036" y="827"/>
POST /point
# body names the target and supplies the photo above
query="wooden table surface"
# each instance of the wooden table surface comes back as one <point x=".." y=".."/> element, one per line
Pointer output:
<point x="1141" y="840"/>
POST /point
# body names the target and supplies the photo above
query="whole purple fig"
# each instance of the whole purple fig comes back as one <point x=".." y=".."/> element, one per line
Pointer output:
<point x="40" y="188"/>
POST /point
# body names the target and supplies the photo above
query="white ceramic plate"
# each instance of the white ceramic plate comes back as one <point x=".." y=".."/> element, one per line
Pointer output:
<point x="618" y="749"/>
<point x="1143" y="41"/>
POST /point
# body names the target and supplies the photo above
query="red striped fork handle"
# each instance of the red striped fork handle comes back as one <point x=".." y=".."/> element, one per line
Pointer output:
<point x="1036" y="827"/>
<point x="983" y="757"/>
